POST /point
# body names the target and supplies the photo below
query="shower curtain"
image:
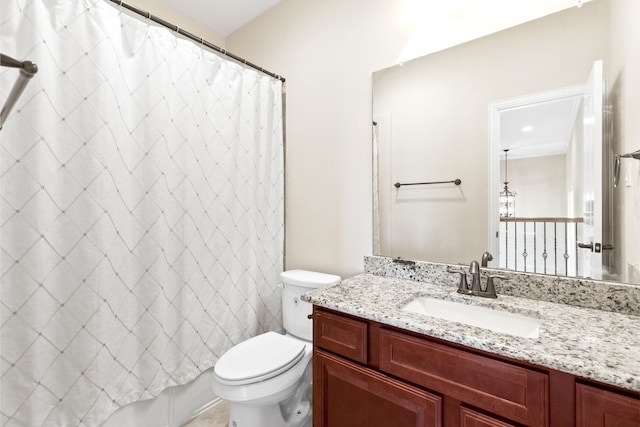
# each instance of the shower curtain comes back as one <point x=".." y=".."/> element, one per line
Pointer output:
<point x="141" y="211"/>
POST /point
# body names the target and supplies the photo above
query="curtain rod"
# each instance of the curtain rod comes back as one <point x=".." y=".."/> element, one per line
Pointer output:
<point x="27" y="70"/>
<point x="200" y="40"/>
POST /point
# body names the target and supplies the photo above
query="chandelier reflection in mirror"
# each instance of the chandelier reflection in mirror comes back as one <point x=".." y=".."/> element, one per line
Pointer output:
<point x="507" y="197"/>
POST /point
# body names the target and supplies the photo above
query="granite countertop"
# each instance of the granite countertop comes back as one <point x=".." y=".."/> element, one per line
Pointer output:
<point x="590" y="343"/>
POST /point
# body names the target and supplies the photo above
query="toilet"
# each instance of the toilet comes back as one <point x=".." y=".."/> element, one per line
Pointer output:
<point x="267" y="379"/>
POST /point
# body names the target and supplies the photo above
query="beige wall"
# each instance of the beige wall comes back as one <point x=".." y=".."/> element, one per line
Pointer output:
<point x="624" y="70"/>
<point x="328" y="51"/>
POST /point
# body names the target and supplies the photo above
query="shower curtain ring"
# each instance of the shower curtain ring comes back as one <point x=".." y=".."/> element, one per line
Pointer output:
<point x="148" y="18"/>
<point x="120" y="13"/>
<point x="201" y="48"/>
<point x="175" y="40"/>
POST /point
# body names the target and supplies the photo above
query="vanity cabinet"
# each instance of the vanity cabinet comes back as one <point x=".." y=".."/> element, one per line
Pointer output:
<point x="370" y="374"/>
<point x="596" y="407"/>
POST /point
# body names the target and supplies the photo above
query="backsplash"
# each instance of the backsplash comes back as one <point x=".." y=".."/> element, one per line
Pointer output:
<point x="608" y="296"/>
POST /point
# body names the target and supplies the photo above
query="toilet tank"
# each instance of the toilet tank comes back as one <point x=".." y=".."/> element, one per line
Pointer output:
<point x="295" y="312"/>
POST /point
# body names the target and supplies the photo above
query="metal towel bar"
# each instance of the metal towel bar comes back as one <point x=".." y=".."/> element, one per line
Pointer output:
<point x="455" y="181"/>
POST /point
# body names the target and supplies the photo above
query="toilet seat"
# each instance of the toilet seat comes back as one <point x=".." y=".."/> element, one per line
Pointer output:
<point x="258" y="359"/>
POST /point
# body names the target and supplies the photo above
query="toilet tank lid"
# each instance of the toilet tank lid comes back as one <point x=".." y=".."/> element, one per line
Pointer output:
<point x="309" y="279"/>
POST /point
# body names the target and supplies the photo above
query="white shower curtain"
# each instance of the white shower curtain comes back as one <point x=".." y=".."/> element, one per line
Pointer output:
<point x="141" y="211"/>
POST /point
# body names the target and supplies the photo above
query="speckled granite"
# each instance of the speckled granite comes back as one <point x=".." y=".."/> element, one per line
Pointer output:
<point x="590" y="343"/>
<point x="608" y="296"/>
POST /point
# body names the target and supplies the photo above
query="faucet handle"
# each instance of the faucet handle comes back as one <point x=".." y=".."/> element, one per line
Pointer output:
<point x="490" y="290"/>
<point x="463" y="287"/>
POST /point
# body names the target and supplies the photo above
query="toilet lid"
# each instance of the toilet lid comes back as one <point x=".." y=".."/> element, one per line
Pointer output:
<point x="259" y="358"/>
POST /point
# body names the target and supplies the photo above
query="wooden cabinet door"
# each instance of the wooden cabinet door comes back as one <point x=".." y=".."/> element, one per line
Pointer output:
<point x="348" y="395"/>
<point x="471" y="418"/>
<point x="601" y="408"/>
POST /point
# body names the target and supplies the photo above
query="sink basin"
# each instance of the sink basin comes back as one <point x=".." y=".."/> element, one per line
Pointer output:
<point x="482" y="317"/>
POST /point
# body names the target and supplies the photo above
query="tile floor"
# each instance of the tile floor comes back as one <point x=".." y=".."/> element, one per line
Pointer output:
<point x="216" y="416"/>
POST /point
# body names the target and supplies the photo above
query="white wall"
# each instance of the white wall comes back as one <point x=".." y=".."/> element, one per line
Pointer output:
<point x="541" y="185"/>
<point x="328" y="51"/>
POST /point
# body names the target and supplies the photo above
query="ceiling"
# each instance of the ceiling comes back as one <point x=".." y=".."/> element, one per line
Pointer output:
<point x="542" y="129"/>
<point x="223" y="16"/>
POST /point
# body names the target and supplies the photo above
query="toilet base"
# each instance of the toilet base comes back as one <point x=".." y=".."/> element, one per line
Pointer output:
<point x="269" y="416"/>
<point x="256" y="416"/>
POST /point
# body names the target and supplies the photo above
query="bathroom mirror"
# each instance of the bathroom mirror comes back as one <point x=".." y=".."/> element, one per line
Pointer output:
<point x="431" y="124"/>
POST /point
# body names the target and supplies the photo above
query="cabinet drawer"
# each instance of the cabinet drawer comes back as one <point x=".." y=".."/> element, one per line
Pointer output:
<point x="602" y="408"/>
<point x="342" y="335"/>
<point x="507" y="390"/>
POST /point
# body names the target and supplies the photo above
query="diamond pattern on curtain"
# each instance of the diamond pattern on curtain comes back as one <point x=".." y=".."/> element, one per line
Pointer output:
<point x="141" y="211"/>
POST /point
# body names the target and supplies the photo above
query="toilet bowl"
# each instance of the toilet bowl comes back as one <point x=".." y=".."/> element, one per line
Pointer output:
<point x="267" y="378"/>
